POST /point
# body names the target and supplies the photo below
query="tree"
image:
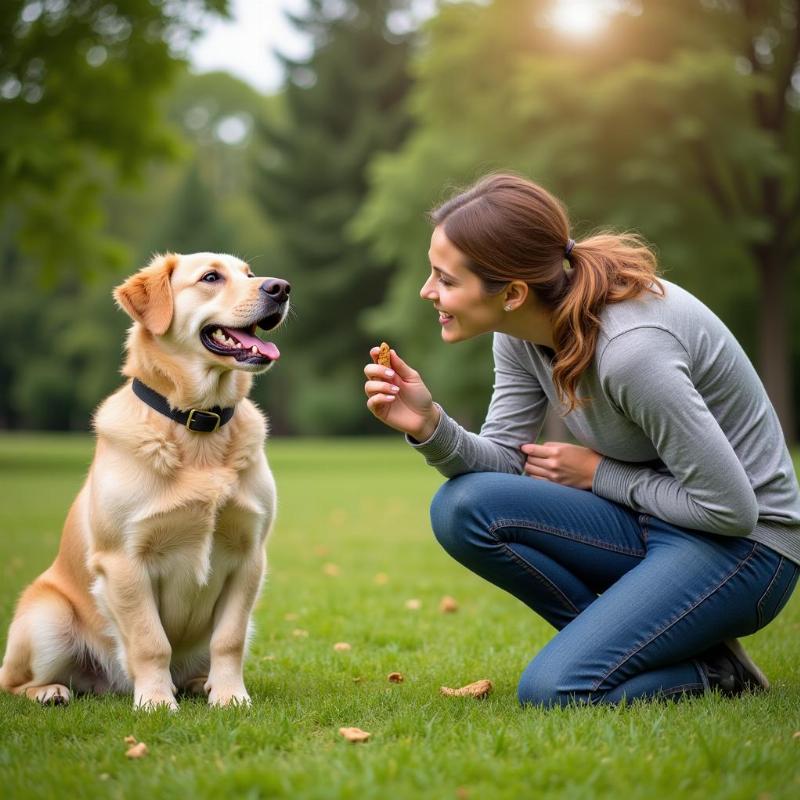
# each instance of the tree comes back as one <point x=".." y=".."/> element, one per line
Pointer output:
<point x="79" y="90"/>
<point x="341" y="106"/>
<point x="680" y="122"/>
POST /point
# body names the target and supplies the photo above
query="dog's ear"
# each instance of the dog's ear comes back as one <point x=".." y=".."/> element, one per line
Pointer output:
<point x="147" y="295"/>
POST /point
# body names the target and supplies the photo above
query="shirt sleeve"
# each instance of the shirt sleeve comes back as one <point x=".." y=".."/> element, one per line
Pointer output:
<point x="646" y="374"/>
<point x="515" y="416"/>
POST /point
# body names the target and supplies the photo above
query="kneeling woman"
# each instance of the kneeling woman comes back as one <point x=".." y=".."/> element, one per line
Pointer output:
<point x="674" y="527"/>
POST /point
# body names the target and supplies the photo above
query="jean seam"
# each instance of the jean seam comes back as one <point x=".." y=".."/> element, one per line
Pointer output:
<point x="643" y="520"/>
<point x="682" y="688"/>
<point x="761" y="600"/>
<point x="784" y="597"/>
<point x="564" y="534"/>
<point x="637" y="648"/>
<point x="540" y="576"/>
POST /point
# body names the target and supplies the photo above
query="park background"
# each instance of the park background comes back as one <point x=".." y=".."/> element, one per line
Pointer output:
<point x="679" y="120"/>
<point x="676" y="119"/>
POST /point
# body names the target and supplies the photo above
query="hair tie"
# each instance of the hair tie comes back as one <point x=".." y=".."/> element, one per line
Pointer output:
<point x="568" y="248"/>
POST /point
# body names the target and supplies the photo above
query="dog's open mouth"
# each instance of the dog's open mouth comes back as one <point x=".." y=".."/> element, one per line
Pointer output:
<point x="239" y="343"/>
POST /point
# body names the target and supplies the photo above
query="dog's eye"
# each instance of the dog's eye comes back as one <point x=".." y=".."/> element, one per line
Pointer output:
<point x="211" y="277"/>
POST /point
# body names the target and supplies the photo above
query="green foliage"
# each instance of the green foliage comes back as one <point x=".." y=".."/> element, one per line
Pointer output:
<point x="342" y="106"/>
<point x="652" y="127"/>
<point x="79" y="84"/>
<point x="67" y="331"/>
<point x="369" y="516"/>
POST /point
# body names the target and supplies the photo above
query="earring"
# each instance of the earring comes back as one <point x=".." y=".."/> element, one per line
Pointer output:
<point x="506" y="308"/>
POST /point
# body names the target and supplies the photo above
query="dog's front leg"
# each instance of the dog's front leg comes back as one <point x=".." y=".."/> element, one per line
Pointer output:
<point x="229" y="638"/>
<point x="128" y="594"/>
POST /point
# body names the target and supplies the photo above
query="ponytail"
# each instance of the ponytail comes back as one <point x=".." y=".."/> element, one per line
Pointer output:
<point x="606" y="268"/>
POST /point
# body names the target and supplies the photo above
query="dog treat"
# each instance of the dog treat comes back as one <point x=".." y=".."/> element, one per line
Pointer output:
<point x="395" y="677"/>
<point x="137" y="751"/>
<point x="479" y="689"/>
<point x="354" y="734"/>
<point x="384" y="359"/>
<point x="448" y="605"/>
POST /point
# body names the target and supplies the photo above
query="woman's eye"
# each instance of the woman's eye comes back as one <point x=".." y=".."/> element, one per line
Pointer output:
<point x="211" y="277"/>
<point x="445" y="282"/>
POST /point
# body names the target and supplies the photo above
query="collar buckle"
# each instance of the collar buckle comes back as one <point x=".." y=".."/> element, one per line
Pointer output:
<point x="203" y="418"/>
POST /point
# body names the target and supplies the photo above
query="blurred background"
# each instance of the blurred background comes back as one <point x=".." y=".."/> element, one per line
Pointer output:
<point x="310" y="137"/>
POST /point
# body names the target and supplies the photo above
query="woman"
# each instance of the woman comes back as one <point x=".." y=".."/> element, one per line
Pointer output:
<point x="674" y="526"/>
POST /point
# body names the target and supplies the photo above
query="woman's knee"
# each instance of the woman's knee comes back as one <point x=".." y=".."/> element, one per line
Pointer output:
<point x="547" y="684"/>
<point x="454" y="514"/>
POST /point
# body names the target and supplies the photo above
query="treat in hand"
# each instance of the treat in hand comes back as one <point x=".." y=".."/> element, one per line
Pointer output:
<point x="384" y="358"/>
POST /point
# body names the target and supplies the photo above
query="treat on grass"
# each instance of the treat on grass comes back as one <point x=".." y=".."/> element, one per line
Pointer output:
<point x="479" y="689"/>
<point x="354" y="734"/>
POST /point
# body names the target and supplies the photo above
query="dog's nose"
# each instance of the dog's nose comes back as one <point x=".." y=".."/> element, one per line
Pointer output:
<point x="277" y="289"/>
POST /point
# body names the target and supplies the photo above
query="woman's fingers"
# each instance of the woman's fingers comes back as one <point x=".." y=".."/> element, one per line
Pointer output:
<point x="376" y="403"/>
<point x="377" y="372"/>
<point x="402" y="369"/>
<point x="372" y="388"/>
<point x="536" y="471"/>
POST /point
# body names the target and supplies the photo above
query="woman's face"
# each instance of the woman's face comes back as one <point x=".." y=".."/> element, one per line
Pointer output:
<point x="465" y="310"/>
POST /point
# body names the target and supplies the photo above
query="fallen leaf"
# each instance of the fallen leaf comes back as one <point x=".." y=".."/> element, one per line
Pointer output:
<point x="321" y="550"/>
<point x="479" y="689"/>
<point x="381" y="579"/>
<point x="395" y="677"/>
<point x="137" y="751"/>
<point x="299" y="632"/>
<point x="414" y="604"/>
<point x="796" y="735"/>
<point x="354" y="734"/>
<point x="357" y="679"/>
<point x="462" y="793"/>
<point x="330" y="569"/>
<point x="448" y="605"/>
<point x="342" y="646"/>
<point x="129" y="740"/>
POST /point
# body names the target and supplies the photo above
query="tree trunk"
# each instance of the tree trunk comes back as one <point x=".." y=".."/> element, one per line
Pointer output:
<point x="774" y="357"/>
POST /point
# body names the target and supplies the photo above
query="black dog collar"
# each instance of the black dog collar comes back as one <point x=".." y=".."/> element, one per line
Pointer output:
<point x="195" y="419"/>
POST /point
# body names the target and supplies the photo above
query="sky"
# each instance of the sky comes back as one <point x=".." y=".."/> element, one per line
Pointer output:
<point x="243" y="45"/>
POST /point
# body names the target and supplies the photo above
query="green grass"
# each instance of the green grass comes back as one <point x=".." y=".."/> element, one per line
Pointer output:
<point x="363" y="507"/>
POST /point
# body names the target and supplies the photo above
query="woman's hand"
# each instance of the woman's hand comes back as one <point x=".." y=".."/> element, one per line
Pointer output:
<point x="568" y="464"/>
<point x="399" y="398"/>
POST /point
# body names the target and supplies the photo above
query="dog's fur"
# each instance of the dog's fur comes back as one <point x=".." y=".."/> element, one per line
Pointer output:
<point x="163" y="551"/>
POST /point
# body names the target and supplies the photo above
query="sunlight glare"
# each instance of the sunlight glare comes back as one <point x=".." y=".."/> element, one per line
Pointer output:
<point x="579" y="17"/>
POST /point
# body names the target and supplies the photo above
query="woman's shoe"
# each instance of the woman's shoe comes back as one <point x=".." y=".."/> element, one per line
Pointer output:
<point x="731" y="670"/>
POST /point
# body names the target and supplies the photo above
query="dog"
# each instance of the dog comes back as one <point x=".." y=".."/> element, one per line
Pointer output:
<point x="162" y="554"/>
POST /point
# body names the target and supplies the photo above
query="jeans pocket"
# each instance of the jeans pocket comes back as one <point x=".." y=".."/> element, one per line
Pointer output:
<point x="778" y="591"/>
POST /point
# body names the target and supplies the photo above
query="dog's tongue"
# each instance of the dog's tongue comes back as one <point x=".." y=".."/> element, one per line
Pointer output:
<point x="267" y="349"/>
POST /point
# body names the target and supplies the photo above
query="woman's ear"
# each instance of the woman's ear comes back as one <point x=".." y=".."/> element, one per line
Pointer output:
<point x="147" y="296"/>
<point x="514" y="295"/>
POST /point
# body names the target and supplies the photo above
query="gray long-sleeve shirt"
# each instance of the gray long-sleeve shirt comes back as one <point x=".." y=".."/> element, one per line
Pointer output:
<point x="684" y="425"/>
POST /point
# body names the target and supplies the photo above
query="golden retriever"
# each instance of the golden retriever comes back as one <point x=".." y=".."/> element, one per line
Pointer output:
<point x="162" y="554"/>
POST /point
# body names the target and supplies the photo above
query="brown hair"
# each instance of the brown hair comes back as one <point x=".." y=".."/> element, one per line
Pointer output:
<point x="509" y="228"/>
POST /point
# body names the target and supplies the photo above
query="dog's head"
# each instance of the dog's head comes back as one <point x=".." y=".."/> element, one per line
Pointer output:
<point x="208" y="305"/>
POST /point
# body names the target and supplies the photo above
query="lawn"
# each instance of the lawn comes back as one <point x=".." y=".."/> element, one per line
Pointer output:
<point x="351" y="546"/>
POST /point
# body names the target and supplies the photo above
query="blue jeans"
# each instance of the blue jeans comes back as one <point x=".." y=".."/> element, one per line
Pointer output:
<point x="635" y="600"/>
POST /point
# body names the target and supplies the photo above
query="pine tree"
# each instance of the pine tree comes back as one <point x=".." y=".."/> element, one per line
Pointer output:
<point x="343" y="105"/>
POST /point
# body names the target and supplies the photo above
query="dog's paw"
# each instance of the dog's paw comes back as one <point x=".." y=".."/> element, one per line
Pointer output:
<point x="153" y="700"/>
<point x="229" y="697"/>
<point x="53" y="694"/>
<point x="161" y="453"/>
